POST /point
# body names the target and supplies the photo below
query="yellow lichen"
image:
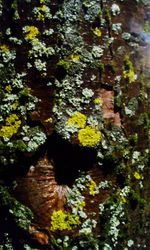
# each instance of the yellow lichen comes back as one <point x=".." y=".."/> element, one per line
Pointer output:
<point x="77" y="119"/>
<point x="89" y="136"/>
<point x="128" y="73"/>
<point x="122" y="198"/>
<point x="80" y="205"/>
<point x="41" y="13"/>
<point x="137" y="175"/>
<point x="50" y="120"/>
<point x="12" y="125"/>
<point x="40" y="17"/>
<point x="31" y="32"/>
<point x="97" y="32"/>
<point x="92" y="187"/>
<point x="4" y="48"/>
<point x="75" y="57"/>
<point x="61" y="220"/>
<point x="43" y="8"/>
<point x="8" y="88"/>
<point x="98" y="101"/>
<point x="15" y="105"/>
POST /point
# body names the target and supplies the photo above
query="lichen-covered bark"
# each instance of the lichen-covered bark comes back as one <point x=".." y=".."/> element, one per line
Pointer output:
<point x="62" y="61"/>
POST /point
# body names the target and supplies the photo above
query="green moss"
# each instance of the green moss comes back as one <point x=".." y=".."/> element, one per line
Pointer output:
<point x="101" y="67"/>
<point x="63" y="63"/>
<point x="100" y="16"/>
<point x="21" y="214"/>
<point x="111" y="68"/>
<point x="108" y="15"/>
<point x="146" y="26"/>
<point x="134" y="139"/>
<point x="136" y="199"/>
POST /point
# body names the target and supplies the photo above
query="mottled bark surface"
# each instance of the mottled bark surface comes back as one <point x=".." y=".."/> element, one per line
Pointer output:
<point x="51" y="172"/>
